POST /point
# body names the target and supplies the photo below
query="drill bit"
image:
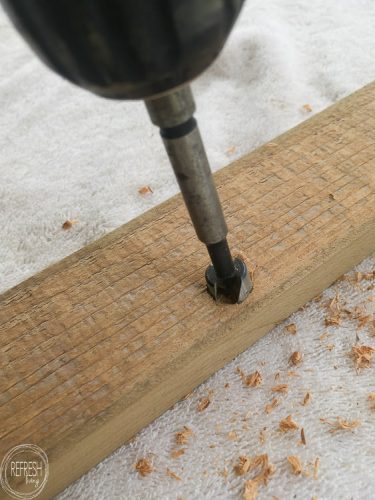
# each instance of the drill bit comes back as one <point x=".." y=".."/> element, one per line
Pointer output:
<point x="173" y="114"/>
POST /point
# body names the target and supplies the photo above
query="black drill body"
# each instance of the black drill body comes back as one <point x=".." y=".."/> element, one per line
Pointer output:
<point x="126" y="49"/>
<point x="148" y="49"/>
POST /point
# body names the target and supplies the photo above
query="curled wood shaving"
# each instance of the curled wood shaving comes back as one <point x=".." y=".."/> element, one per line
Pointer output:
<point x="295" y="464"/>
<point x="362" y="355"/>
<point x="183" y="436"/>
<point x="203" y="403"/>
<point x="306" y="399"/>
<point x="145" y="190"/>
<point x="280" y="388"/>
<point x="271" y="406"/>
<point x="296" y="358"/>
<point x="260" y="462"/>
<point x="172" y="474"/>
<point x="251" y="490"/>
<point x="371" y="396"/>
<point x="341" y="424"/>
<point x="291" y="328"/>
<point x="253" y="380"/>
<point x="288" y="424"/>
<point x="334" y="312"/>
<point x="267" y="469"/>
<point x="303" y="437"/>
<point x="330" y="347"/>
<point x="177" y="453"/>
<point x="143" y="466"/>
<point x="68" y="224"/>
<point x="316" y="467"/>
<point x="334" y="320"/>
<point x="243" y="465"/>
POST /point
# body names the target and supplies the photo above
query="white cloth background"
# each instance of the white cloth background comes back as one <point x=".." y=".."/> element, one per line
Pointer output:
<point x="65" y="154"/>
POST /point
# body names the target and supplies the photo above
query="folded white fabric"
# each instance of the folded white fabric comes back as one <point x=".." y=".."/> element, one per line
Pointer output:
<point x="68" y="155"/>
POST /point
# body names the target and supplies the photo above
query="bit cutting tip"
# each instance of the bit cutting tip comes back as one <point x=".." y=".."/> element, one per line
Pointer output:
<point x="235" y="287"/>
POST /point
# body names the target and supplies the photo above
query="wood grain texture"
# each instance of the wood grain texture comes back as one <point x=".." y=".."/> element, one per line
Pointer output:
<point x="98" y="345"/>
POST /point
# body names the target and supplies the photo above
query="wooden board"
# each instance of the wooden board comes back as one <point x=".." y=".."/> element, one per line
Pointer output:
<point x="98" y="345"/>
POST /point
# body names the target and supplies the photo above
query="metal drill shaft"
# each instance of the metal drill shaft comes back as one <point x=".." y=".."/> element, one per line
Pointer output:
<point x="173" y="113"/>
<point x="182" y="140"/>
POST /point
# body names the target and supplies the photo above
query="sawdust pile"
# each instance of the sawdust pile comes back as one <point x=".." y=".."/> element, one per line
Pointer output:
<point x="257" y="470"/>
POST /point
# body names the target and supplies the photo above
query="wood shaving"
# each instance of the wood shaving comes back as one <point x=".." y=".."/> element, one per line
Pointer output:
<point x="203" y="403"/>
<point x="143" y="466"/>
<point x="177" y="453"/>
<point x="291" y="328"/>
<point x="362" y="355"/>
<point x="262" y="436"/>
<point x="187" y="396"/>
<point x="334" y="312"/>
<point x="68" y="224"/>
<point x="145" y="190"/>
<point x="303" y="437"/>
<point x="224" y="473"/>
<point x="231" y="150"/>
<point x="364" y="320"/>
<point x="183" y="436"/>
<point x="251" y="490"/>
<point x="243" y="465"/>
<point x="293" y="374"/>
<point x="288" y="424"/>
<point x="172" y="474"/>
<point x="307" y="108"/>
<point x="271" y="406"/>
<point x="260" y="462"/>
<point x="251" y="270"/>
<point x="371" y="396"/>
<point x="253" y="380"/>
<point x="330" y="347"/>
<point x="296" y="358"/>
<point x="267" y="469"/>
<point x="232" y="436"/>
<point x="316" y="467"/>
<point x="323" y="335"/>
<point x="306" y="399"/>
<point x="331" y="196"/>
<point x="334" y="320"/>
<point x="341" y="424"/>
<point x="295" y="464"/>
<point x="280" y="388"/>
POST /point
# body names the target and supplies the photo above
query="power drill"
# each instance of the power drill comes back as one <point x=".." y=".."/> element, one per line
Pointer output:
<point x="148" y="49"/>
